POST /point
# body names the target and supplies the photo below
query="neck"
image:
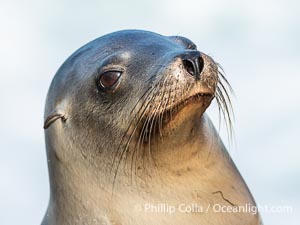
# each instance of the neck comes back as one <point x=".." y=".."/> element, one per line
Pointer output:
<point x="189" y="162"/>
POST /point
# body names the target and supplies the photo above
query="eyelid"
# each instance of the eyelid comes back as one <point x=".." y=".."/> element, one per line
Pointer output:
<point x="113" y="71"/>
<point x="110" y="67"/>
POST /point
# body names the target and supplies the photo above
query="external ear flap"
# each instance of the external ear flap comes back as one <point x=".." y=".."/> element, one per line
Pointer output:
<point x="53" y="116"/>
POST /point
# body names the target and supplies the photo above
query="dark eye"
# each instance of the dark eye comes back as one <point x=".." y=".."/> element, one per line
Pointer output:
<point x="109" y="80"/>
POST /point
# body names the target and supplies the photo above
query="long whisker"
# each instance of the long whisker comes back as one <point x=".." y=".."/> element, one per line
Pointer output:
<point x="153" y="120"/>
<point x="132" y="133"/>
<point x="224" y="104"/>
<point x="131" y="122"/>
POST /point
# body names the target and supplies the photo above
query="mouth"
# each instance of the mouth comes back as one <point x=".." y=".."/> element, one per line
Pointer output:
<point x="198" y="98"/>
<point x="162" y="119"/>
<point x="202" y="100"/>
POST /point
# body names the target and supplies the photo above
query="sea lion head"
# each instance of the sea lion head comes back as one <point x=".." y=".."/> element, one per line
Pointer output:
<point x="124" y="91"/>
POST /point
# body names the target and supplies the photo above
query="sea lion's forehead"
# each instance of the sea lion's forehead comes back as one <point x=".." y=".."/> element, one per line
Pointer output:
<point x="141" y="41"/>
<point x="130" y="45"/>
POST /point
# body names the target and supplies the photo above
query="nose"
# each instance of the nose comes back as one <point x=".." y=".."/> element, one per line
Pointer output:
<point x="193" y="63"/>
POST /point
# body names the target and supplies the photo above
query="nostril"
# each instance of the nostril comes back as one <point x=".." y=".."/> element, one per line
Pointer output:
<point x="201" y="64"/>
<point x="189" y="66"/>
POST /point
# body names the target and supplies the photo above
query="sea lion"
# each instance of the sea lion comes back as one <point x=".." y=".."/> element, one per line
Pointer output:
<point x="128" y="141"/>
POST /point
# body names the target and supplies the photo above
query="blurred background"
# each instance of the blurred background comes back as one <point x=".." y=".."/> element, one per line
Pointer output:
<point x="256" y="42"/>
